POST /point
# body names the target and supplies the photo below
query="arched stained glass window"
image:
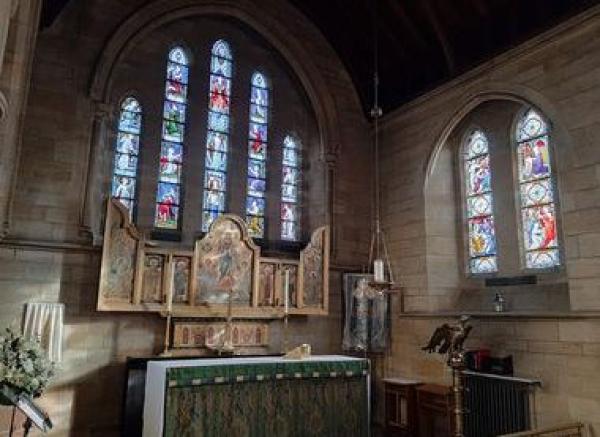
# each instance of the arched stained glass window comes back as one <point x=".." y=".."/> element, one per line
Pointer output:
<point x="480" y="205"/>
<point x="127" y="150"/>
<point x="169" y="192"/>
<point x="257" y="155"/>
<point x="290" y="188"/>
<point x="538" y="209"/>
<point x="217" y="141"/>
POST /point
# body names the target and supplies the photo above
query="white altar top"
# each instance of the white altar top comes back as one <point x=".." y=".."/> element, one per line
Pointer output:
<point x="156" y="378"/>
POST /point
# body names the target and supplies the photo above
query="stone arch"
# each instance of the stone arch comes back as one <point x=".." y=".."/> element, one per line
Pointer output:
<point x="272" y="28"/>
<point x="440" y="174"/>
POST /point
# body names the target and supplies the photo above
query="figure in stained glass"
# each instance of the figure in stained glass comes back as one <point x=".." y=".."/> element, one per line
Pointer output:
<point x="255" y="206"/>
<point x="176" y="92"/>
<point x="128" y="143"/>
<point x="214" y="200"/>
<point x="130" y="122"/>
<point x="257" y="150"/>
<point x="123" y="186"/>
<point x="289" y="175"/>
<point x="256" y="169"/>
<point x="173" y="131"/>
<point x="260" y="96"/>
<point x="289" y="193"/>
<point x="219" y="102"/>
<point x="218" y="122"/>
<point x="126" y="165"/>
<point x="174" y="111"/>
<point x="258" y="114"/>
<point x="256" y="226"/>
<point x="538" y="212"/>
<point x="256" y="187"/>
<point x="288" y="230"/>
<point x="215" y="180"/>
<point x="177" y="73"/>
<point x="478" y="175"/>
<point x="482" y="236"/>
<point x="288" y="212"/>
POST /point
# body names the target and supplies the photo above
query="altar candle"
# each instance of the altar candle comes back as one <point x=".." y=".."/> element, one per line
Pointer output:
<point x="170" y="286"/>
<point x="286" y="292"/>
<point x="378" y="270"/>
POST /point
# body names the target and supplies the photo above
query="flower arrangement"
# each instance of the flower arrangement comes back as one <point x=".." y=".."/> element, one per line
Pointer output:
<point x="23" y="364"/>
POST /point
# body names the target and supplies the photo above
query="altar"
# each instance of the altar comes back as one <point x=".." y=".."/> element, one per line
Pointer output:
<point x="325" y="395"/>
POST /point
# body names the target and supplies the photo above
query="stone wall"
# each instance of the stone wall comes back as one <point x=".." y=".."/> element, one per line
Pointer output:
<point x="48" y="254"/>
<point x="559" y="73"/>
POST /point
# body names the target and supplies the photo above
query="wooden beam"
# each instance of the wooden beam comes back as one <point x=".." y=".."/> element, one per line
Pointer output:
<point x="440" y="35"/>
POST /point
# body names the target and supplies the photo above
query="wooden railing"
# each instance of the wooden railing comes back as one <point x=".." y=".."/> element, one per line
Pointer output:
<point x="569" y="430"/>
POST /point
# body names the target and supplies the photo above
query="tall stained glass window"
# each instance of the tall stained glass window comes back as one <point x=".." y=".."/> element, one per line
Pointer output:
<point x="290" y="189"/>
<point x="257" y="155"/>
<point x="538" y="209"/>
<point x="169" y="192"/>
<point x="217" y="141"/>
<point x="480" y="205"/>
<point x="127" y="150"/>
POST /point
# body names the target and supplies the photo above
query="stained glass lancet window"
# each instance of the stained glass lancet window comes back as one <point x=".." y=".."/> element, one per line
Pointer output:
<point x="127" y="151"/>
<point x="480" y="205"/>
<point x="169" y="192"/>
<point x="290" y="189"/>
<point x="538" y="209"/>
<point x="257" y="155"/>
<point x="217" y="140"/>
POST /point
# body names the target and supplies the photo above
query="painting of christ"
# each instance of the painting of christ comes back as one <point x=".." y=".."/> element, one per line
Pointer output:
<point x="224" y="264"/>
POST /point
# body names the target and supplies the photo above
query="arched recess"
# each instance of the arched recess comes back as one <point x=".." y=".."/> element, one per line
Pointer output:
<point x="293" y="45"/>
<point x="445" y="246"/>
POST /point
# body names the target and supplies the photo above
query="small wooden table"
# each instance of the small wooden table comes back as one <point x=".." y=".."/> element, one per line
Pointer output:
<point x="401" y="407"/>
<point x="435" y="410"/>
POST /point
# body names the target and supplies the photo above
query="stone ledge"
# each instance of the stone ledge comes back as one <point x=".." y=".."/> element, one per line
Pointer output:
<point x="503" y="315"/>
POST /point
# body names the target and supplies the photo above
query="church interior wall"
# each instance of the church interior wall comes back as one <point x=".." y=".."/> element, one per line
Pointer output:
<point x="552" y="331"/>
<point x="47" y="256"/>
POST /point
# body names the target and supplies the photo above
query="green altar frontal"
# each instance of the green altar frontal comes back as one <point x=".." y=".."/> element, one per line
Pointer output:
<point x="317" y="397"/>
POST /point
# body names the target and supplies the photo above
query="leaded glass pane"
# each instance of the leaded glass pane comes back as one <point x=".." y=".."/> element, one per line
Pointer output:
<point x="532" y="125"/>
<point x="257" y="155"/>
<point x="288" y="212"/>
<point x="290" y="175"/>
<point x="215" y="180"/>
<point x="256" y="187"/>
<point x="289" y="231"/>
<point x="130" y="122"/>
<point x="170" y="168"/>
<point x="482" y="240"/>
<point x="538" y="210"/>
<point x="290" y="157"/>
<point x="539" y="227"/>
<point x="125" y="160"/>
<point x="221" y="49"/>
<point x="478" y="175"/>
<point x="174" y="111"/>
<point x="479" y="205"/>
<point x="217" y="140"/>
<point x="257" y="150"/>
<point x="175" y="91"/>
<point x="220" y="66"/>
<point x="534" y="159"/>
<point x="177" y="73"/>
<point x="256" y="226"/>
<point x="218" y="122"/>
<point x="477" y="144"/>
<point x="289" y="193"/>
<point x="537" y="192"/>
<point x="486" y="264"/>
<point x="123" y="187"/>
<point x="255" y="206"/>
<point x="542" y="259"/>
<point x="128" y="143"/>
<point x="216" y="160"/>
<point x="214" y="200"/>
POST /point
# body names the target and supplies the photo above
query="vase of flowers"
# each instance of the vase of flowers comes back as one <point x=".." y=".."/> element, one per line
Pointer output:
<point x="24" y="367"/>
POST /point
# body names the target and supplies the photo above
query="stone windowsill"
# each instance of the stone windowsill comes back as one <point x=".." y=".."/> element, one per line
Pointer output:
<point x="506" y="314"/>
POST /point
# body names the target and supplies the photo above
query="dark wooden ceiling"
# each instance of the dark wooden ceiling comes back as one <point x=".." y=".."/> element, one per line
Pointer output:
<point x="422" y="43"/>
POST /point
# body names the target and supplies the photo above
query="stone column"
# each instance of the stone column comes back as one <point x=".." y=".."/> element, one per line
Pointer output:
<point x="96" y="181"/>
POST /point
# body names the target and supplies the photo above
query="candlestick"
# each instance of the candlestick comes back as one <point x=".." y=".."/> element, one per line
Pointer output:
<point x="286" y="292"/>
<point x="378" y="270"/>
